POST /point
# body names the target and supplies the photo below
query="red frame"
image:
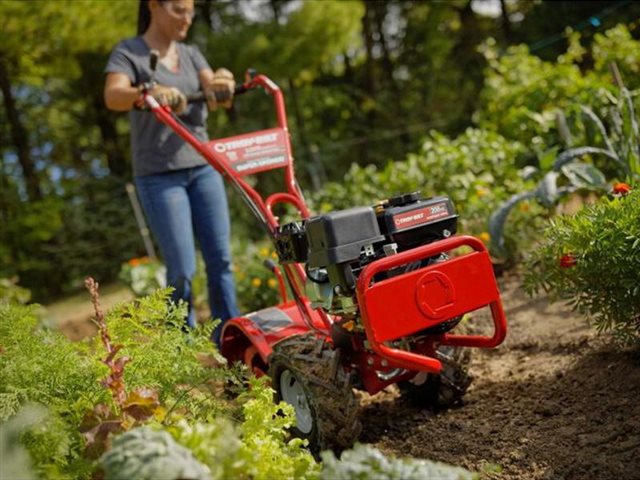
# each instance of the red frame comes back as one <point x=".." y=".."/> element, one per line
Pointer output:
<point x="471" y="273"/>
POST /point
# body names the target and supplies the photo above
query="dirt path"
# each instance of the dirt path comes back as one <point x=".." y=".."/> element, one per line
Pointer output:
<point x="553" y="402"/>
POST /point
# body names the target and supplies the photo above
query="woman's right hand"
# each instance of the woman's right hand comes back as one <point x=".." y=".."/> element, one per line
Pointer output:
<point x="170" y="96"/>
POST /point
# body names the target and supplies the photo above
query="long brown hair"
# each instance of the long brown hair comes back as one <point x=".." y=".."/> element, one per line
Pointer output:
<point x="144" y="16"/>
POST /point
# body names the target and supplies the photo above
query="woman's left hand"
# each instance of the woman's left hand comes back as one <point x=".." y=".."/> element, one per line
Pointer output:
<point x="219" y="90"/>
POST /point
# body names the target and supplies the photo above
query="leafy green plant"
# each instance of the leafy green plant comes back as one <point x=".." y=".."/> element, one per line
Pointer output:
<point x="565" y="175"/>
<point x="127" y="409"/>
<point x="147" y="454"/>
<point x="523" y="94"/>
<point x="364" y="463"/>
<point x="258" y="448"/>
<point x="41" y="366"/>
<point x="142" y="369"/>
<point x="266" y="445"/>
<point x="166" y="367"/>
<point x="592" y="260"/>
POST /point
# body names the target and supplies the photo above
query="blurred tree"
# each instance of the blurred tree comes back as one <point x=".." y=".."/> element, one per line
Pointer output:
<point x="364" y="81"/>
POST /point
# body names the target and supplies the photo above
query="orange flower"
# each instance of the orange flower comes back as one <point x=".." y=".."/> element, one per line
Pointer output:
<point x="485" y="237"/>
<point x="134" y="262"/>
<point x="256" y="282"/>
<point x="621" y="189"/>
<point x="272" y="283"/>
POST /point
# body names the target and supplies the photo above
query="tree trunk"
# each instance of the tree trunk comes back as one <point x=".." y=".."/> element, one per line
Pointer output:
<point x="91" y="65"/>
<point x="505" y="23"/>
<point x="19" y="135"/>
<point x="116" y="159"/>
<point x="379" y="11"/>
<point x="369" y="81"/>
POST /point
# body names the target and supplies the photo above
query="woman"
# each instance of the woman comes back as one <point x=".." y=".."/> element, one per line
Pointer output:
<point x="180" y="193"/>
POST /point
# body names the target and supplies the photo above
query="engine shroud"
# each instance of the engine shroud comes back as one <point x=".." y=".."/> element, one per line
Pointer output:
<point x="410" y="222"/>
<point x="335" y="246"/>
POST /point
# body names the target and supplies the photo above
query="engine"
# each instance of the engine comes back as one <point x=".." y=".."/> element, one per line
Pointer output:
<point x="336" y="246"/>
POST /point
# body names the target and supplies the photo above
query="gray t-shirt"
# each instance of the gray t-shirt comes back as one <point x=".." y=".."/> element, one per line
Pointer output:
<point x="155" y="147"/>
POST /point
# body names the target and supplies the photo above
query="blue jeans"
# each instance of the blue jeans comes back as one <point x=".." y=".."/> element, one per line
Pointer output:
<point x="178" y="204"/>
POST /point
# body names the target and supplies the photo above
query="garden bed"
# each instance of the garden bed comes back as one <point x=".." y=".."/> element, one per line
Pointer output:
<point x="555" y="401"/>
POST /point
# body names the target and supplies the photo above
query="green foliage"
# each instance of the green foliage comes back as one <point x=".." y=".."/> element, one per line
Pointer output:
<point x="164" y="357"/>
<point x="11" y="292"/>
<point x="265" y="440"/>
<point x="367" y="463"/>
<point x="592" y="260"/>
<point x="259" y="448"/>
<point x="143" y="275"/>
<point x="216" y="444"/>
<point x="52" y="245"/>
<point x="305" y="40"/>
<point x="167" y="377"/>
<point x="257" y="287"/>
<point x="42" y="366"/>
<point x="15" y="459"/>
<point x="146" y="454"/>
<point x="522" y="93"/>
<point x="618" y="45"/>
<point x="620" y="151"/>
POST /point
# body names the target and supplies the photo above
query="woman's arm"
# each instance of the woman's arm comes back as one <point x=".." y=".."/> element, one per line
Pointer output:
<point x="206" y="77"/>
<point x="119" y="94"/>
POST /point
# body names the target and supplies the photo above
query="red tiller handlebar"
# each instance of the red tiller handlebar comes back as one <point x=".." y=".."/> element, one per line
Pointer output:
<point x="263" y="209"/>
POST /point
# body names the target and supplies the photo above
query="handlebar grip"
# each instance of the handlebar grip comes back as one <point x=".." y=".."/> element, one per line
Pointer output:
<point x="220" y="96"/>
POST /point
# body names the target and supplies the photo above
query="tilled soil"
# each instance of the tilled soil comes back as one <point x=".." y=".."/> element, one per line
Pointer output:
<point x="555" y="401"/>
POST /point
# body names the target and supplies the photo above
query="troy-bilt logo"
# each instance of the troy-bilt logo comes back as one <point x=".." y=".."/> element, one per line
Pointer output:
<point x="222" y="147"/>
<point x="423" y="215"/>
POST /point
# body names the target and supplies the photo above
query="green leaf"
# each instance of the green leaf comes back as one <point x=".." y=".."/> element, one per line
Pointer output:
<point x="584" y="175"/>
<point x="547" y="159"/>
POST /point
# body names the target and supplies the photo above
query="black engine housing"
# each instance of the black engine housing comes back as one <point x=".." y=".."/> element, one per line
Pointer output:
<point x="341" y="243"/>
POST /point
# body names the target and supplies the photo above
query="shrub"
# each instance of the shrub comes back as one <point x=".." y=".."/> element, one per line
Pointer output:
<point x="522" y="94"/>
<point x="256" y="286"/>
<point x="146" y="370"/>
<point x="592" y="260"/>
<point x="619" y="155"/>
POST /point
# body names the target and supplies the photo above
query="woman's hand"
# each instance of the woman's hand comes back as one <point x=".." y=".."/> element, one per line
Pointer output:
<point x="170" y="96"/>
<point x="219" y="89"/>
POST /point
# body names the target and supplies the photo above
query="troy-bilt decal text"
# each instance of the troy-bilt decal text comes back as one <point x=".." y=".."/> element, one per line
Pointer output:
<point x="422" y="215"/>
<point x="254" y="152"/>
